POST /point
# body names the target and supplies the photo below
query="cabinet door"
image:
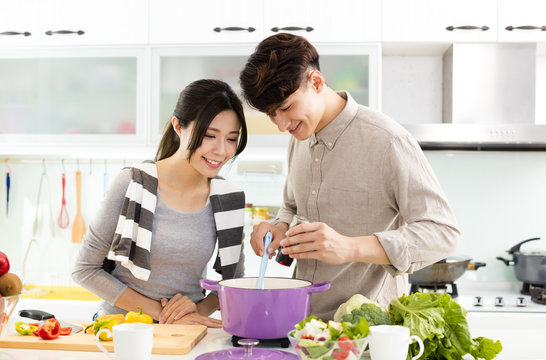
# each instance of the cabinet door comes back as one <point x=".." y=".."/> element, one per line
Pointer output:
<point x="79" y="22"/>
<point x="205" y="21"/>
<point x="325" y="20"/>
<point x="351" y="68"/>
<point x="522" y="20"/>
<point x="60" y="98"/>
<point x="439" y="20"/>
<point x="18" y="23"/>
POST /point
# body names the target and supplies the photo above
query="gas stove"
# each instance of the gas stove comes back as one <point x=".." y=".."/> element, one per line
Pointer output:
<point x="501" y="297"/>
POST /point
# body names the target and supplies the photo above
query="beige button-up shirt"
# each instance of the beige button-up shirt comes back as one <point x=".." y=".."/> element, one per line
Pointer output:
<point x="365" y="174"/>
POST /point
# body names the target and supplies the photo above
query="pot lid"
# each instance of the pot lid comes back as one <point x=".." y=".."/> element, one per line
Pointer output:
<point x="239" y="354"/>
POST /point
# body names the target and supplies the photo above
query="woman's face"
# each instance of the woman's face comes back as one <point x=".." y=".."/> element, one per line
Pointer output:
<point x="218" y="146"/>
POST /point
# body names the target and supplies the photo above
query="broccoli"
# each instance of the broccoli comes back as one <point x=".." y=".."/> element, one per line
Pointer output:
<point x="373" y="314"/>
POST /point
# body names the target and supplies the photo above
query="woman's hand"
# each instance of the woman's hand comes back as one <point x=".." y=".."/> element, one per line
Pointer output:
<point x="198" y="319"/>
<point x="176" y="308"/>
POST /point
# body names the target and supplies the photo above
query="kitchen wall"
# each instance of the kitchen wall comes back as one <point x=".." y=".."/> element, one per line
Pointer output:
<point x="499" y="199"/>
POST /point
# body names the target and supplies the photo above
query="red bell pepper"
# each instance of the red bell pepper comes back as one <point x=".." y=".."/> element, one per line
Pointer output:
<point x="65" y="331"/>
<point x="49" y="330"/>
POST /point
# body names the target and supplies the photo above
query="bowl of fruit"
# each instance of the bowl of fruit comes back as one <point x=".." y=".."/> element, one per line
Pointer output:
<point x="10" y="291"/>
<point x="318" y="340"/>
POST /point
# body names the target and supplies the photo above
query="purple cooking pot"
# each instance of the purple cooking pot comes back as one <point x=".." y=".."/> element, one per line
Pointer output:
<point x="268" y="313"/>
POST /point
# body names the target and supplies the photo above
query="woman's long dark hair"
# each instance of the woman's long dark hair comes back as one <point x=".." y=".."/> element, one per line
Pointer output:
<point x="201" y="101"/>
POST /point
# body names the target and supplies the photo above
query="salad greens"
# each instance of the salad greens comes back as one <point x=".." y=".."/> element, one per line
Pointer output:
<point x="315" y="339"/>
<point x="441" y="323"/>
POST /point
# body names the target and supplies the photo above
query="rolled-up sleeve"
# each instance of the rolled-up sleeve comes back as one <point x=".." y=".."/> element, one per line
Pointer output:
<point x="88" y="271"/>
<point x="428" y="230"/>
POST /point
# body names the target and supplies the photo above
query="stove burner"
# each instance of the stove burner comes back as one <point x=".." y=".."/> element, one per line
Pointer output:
<point x="441" y="288"/>
<point x="284" y="342"/>
<point x="528" y="288"/>
<point x="538" y="295"/>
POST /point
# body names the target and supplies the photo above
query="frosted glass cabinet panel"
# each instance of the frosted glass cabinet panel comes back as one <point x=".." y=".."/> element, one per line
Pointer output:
<point x="356" y="71"/>
<point x="68" y="95"/>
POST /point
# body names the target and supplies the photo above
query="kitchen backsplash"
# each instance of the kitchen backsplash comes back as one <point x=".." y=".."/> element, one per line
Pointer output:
<point x="499" y="199"/>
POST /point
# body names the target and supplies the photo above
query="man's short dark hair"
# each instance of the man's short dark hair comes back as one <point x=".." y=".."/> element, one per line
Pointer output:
<point x="276" y="70"/>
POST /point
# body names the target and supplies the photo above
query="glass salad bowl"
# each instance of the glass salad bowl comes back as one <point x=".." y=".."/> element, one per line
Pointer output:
<point x="7" y="304"/>
<point x="344" y="349"/>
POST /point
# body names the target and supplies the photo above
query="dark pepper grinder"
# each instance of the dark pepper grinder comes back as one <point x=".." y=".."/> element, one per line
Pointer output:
<point x="284" y="259"/>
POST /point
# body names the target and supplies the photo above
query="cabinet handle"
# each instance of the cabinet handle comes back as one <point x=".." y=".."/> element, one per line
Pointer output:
<point x="467" y="27"/>
<point x="26" y="33"/>
<point x="64" y="32"/>
<point x="526" y="27"/>
<point x="234" y="28"/>
<point x="292" y="28"/>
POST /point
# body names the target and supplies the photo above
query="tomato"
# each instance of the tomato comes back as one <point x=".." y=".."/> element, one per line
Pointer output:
<point x="340" y="355"/>
<point x="4" y="264"/>
<point x="345" y="343"/>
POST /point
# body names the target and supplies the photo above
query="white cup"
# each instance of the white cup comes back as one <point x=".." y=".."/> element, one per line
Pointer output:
<point x="132" y="341"/>
<point x="391" y="342"/>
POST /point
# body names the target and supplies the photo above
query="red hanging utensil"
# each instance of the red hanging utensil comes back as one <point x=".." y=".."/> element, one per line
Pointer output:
<point x="63" y="221"/>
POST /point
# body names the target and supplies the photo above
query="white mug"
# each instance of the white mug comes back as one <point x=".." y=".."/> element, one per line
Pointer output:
<point x="391" y="342"/>
<point x="132" y="341"/>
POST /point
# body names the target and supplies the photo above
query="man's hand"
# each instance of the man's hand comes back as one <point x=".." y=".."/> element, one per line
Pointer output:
<point x="258" y="233"/>
<point x="198" y="319"/>
<point x="318" y="241"/>
<point x="176" y="308"/>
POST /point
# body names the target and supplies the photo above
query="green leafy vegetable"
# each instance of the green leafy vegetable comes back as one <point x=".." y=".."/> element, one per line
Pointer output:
<point x="441" y="323"/>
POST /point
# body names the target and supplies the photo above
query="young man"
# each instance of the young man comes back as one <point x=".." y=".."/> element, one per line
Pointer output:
<point x="377" y="210"/>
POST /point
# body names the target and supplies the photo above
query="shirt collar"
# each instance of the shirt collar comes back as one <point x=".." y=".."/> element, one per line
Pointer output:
<point x="331" y="132"/>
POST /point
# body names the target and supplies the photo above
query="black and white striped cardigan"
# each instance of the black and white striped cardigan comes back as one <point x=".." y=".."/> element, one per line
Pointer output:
<point x="133" y="236"/>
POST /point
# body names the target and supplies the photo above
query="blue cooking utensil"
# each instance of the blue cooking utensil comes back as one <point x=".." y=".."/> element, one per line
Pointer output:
<point x="265" y="258"/>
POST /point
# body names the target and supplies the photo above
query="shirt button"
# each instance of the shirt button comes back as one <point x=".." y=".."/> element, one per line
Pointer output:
<point x="317" y="159"/>
<point x="329" y="144"/>
<point x="314" y="192"/>
<point x="318" y="137"/>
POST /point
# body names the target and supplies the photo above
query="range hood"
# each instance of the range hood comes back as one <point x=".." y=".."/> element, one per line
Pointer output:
<point x="488" y="100"/>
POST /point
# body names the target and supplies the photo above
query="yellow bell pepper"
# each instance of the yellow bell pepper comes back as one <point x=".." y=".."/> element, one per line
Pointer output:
<point x="133" y="316"/>
<point x="120" y="317"/>
<point x="105" y="324"/>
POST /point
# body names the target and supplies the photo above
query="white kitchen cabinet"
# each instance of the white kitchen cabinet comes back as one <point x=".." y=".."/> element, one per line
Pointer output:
<point x="325" y="20"/>
<point x="206" y="21"/>
<point x="72" y="22"/>
<point x="439" y="20"/>
<point x="57" y="98"/>
<point x="351" y="68"/>
<point x="522" y="20"/>
<point x="250" y="21"/>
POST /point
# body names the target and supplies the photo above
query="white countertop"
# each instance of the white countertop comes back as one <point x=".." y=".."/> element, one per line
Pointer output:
<point x="521" y="334"/>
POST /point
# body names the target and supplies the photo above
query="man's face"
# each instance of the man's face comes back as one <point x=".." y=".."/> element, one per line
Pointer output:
<point x="300" y="113"/>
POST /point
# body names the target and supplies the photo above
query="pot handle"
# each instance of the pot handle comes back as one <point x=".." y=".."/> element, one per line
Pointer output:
<point x="209" y="284"/>
<point x="516" y="247"/>
<point x="505" y="261"/>
<point x="475" y="266"/>
<point x="319" y="287"/>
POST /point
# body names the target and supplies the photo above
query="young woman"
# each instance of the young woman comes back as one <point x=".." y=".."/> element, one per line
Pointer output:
<point x="159" y="222"/>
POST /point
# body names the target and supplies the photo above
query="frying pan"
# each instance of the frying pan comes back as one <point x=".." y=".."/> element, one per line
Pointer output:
<point x="445" y="271"/>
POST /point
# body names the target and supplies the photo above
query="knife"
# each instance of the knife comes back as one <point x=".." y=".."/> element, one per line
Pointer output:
<point x="42" y="316"/>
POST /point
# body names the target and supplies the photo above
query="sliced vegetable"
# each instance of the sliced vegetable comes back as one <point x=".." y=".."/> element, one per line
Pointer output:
<point x="133" y="316"/>
<point x="65" y="331"/>
<point x="25" y="329"/>
<point x="49" y="330"/>
<point x="120" y="317"/>
<point x="105" y="324"/>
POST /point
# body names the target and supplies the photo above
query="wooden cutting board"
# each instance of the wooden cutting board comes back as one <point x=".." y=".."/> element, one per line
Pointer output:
<point x="168" y="340"/>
